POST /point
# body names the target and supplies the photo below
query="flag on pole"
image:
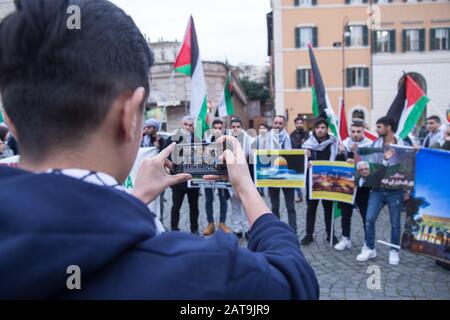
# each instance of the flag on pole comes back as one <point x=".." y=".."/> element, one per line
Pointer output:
<point x="408" y="106"/>
<point x="226" y="104"/>
<point x="188" y="62"/>
<point x="343" y="125"/>
<point x="321" y="104"/>
<point x="1" y="117"/>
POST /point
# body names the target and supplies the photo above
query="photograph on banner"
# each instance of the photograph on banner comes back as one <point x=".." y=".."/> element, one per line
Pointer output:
<point x="395" y="173"/>
<point x="10" y="162"/>
<point x="280" y="168"/>
<point x="200" y="183"/>
<point x="427" y="226"/>
<point x="332" y="180"/>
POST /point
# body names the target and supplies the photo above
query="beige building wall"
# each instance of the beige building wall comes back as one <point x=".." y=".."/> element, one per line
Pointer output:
<point x="328" y="17"/>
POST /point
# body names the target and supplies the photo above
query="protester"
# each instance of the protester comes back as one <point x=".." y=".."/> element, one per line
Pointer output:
<point x="356" y="140"/>
<point x="224" y="195"/>
<point x="320" y="146"/>
<point x="263" y="131"/>
<point x="52" y="221"/>
<point x="184" y="135"/>
<point x="279" y="140"/>
<point x="298" y="136"/>
<point x="435" y="136"/>
<point x="239" y="223"/>
<point x="150" y="135"/>
<point x="380" y="197"/>
<point x="446" y="145"/>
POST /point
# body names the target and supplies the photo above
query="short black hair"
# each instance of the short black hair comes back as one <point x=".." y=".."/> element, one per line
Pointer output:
<point x="298" y="119"/>
<point x="217" y="121"/>
<point x="264" y="125"/>
<point x="280" y="116"/>
<point x="357" y="123"/>
<point x="58" y="84"/>
<point x="3" y="133"/>
<point x="236" y="120"/>
<point x="321" y="121"/>
<point x="435" y="118"/>
<point x="387" y="121"/>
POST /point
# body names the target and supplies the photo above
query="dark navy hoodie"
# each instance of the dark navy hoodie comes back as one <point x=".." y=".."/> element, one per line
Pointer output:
<point x="49" y="222"/>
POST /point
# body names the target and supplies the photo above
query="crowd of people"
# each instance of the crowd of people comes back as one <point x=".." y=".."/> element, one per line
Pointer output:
<point x="319" y="145"/>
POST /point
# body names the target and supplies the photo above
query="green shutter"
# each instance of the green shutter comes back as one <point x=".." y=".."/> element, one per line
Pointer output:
<point x="314" y="2"/>
<point x="404" y="40"/>
<point x="299" y="80"/>
<point x="348" y="77"/>
<point x="422" y="40"/>
<point x="348" y="39"/>
<point x="296" y="3"/>
<point x="432" y="39"/>
<point x="315" y="40"/>
<point x="392" y="41"/>
<point x="365" y="36"/>
<point x="448" y="39"/>
<point x="347" y="1"/>
<point x="366" y="77"/>
<point x="365" y="1"/>
<point x="297" y="37"/>
<point x="374" y="42"/>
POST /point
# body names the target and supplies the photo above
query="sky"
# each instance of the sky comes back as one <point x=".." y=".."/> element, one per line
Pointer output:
<point x="235" y="30"/>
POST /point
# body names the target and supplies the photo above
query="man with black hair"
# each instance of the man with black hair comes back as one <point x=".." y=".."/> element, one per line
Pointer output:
<point x="65" y="214"/>
<point x="356" y="140"/>
<point x="380" y="197"/>
<point x="319" y="146"/>
<point x="298" y="136"/>
<point x="435" y="136"/>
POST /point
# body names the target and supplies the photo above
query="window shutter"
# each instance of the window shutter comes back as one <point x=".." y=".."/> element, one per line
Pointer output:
<point x="366" y="77"/>
<point x="297" y="37"/>
<point x="349" y="77"/>
<point x="365" y="1"/>
<point x="315" y="40"/>
<point x="422" y="40"/>
<point x="432" y="39"/>
<point x="374" y="41"/>
<point x="404" y="40"/>
<point x="375" y="1"/>
<point x="448" y="39"/>
<point x="348" y="39"/>
<point x="392" y="41"/>
<point x="299" y="79"/>
<point x="314" y="2"/>
<point x="296" y="3"/>
<point x="365" y="36"/>
<point x="347" y="1"/>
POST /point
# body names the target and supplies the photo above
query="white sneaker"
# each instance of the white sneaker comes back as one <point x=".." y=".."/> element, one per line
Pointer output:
<point x="364" y="248"/>
<point x="394" y="258"/>
<point x="367" y="254"/>
<point x="345" y="243"/>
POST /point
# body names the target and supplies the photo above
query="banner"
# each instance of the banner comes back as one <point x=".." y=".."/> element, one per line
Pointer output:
<point x="280" y="168"/>
<point x="332" y="180"/>
<point x="11" y="161"/>
<point x="396" y="173"/>
<point x="200" y="183"/>
<point x="427" y="227"/>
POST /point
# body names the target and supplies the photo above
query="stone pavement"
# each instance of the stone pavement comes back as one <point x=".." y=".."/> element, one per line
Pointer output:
<point x="340" y="275"/>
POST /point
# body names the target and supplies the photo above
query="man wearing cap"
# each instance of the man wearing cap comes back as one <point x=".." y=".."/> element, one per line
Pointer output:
<point x="150" y="134"/>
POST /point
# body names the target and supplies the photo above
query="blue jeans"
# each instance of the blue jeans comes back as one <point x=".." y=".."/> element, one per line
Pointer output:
<point x="377" y="199"/>
<point x="209" y="194"/>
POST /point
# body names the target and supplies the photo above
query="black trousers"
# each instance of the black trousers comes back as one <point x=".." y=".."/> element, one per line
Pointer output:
<point x="361" y="200"/>
<point x="289" y="195"/>
<point x="311" y="215"/>
<point x="177" y="200"/>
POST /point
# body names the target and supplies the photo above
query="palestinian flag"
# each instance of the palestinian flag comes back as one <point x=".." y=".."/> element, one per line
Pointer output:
<point x="189" y="63"/>
<point x="370" y="135"/>
<point x="226" y="105"/>
<point x="343" y="125"/>
<point x="408" y="106"/>
<point x="1" y="117"/>
<point x="321" y="104"/>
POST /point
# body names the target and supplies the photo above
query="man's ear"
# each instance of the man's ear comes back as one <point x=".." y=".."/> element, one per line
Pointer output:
<point x="10" y="125"/>
<point x="131" y="116"/>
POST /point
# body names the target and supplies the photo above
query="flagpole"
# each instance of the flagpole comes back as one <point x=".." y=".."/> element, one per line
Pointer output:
<point x="332" y="226"/>
<point x="438" y="111"/>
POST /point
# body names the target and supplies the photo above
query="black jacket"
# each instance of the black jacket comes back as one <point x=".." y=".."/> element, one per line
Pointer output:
<point x="298" y="136"/>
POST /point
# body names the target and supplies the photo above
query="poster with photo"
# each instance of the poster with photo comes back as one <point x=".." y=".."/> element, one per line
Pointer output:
<point x="332" y="180"/>
<point x="280" y="168"/>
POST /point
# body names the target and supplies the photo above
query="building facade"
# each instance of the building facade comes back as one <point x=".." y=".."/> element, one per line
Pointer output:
<point x="170" y="93"/>
<point x="362" y="48"/>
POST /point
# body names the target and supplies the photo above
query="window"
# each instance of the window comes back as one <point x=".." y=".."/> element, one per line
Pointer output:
<point x="304" y="35"/>
<point x="414" y="40"/>
<point x="382" y="1"/>
<point x="355" y="1"/>
<point x="358" y="36"/>
<point x="439" y="39"/>
<point x="384" y="41"/>
<point x="357" y="77"/>
<point x="305" y="3"/>
<point x="303" y="78"/>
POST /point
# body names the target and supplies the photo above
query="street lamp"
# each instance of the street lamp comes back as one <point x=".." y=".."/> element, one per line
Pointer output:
<point x="345" y="35"/>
